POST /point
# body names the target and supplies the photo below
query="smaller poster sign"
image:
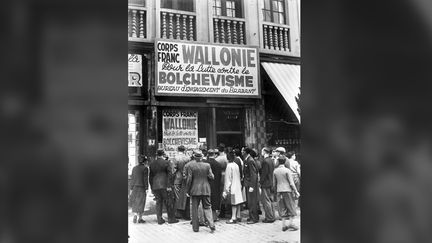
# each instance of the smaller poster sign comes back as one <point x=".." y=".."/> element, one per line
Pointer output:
<point x="179" y="128"/>
<point x="135" y="70"/>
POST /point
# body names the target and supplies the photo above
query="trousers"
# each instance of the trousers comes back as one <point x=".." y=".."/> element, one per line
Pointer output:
<point x="205" y="200"/>
<point x="252" y="202"/>
<point x="163" y="197"/>
<point x="267" y="202"/>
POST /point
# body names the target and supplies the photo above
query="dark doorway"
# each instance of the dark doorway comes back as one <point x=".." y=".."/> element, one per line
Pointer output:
<point x="230" y="140"/>
<point x="229" y="126"/>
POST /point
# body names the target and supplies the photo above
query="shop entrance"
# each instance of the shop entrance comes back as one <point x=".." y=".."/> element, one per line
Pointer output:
<point x="215" y="125"/>
<point x="230" y="126"/>
<point x="134" y="135"/>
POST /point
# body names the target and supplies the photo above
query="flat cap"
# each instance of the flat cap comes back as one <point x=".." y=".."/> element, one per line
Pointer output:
<point x="281" y="149"/>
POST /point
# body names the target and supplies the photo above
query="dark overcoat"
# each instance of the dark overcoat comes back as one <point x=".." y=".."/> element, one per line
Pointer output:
<point x="215" y="185"/>
<point x="160" y="173"/>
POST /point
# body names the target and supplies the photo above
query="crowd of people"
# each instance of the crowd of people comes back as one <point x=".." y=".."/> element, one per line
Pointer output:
<point x="219" y="183"/>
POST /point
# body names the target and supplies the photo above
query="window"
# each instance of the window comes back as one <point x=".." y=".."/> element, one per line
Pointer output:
<point x="229" y="119"/>
<point x="140" y="3"/>
<point x="184" y="5"/>
<point x="229" y="8"/>
<point x="138" y="78"/>
<point x="230" y="126"/>
<point x="133" y="138"/>
<point x="217" y="7"/>
<point x="274" y="11"/>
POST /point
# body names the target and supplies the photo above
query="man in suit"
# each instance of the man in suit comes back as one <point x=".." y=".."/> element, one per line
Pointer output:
<point x="251" y="183"/>
<point x="215" y="184"/>
<point x="198" y="187"/>
<point x="266" y="182"/>
<point x="161" y="183"/>
<point x="277" y="153"/>
<point x="223" y="161"/>
<point x="182" y="202"/>
<point x="202" y="220"/>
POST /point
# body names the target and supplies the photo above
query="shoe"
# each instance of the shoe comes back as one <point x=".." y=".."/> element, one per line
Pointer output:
<point x="268" y="221"/>
<point x="231" y="221"/>
<point x="217" y="219"/>
<point x="161" y="221"/>
<point x="141" y="221"/>
<point x="173" y="221"/>
<point x="134" y="219"/>
<point x="212" y="229"/>
<point x="285" y="228"/>
<point x="202" y="224"/>
<point x="195" y="230"/>
<point x="293" y="228"/>
<point x="191" y="222"/>
<point x="252" y="222"/>
<point x="238" y="220"/>
<point x="248" y="219"/>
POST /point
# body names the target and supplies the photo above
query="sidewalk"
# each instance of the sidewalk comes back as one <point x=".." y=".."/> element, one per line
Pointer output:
<point x="150" y="231"/>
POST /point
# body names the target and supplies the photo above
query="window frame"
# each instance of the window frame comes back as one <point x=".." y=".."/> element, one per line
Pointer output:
<point x="237" y="10"/>
<point x="144" y="5"/>
<point x="275" y="12"/>
<point x="175" y="5"/>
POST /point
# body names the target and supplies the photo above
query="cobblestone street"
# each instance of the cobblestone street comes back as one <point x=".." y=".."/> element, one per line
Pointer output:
<point x="150" y="231"/>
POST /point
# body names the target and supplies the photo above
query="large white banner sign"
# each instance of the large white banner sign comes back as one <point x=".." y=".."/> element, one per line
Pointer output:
<point x="192" y="69"/>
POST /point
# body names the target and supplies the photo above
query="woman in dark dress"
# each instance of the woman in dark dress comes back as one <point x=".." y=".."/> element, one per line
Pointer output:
<point x="139" y="187"/>
<point x="215" y="185"/>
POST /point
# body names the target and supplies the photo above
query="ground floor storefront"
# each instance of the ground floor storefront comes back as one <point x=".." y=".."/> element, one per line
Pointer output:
<point x="206" y="125"/>
<point x="160" y="118"/>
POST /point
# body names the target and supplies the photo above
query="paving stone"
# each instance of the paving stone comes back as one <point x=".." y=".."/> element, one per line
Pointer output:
<point x="182" y="231"/>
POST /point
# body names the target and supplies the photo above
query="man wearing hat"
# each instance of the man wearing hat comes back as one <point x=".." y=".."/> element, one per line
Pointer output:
<point x="198" y="187"/>
<point x="182" y="202"/>
<point x="223" y="161"/>
<point x="202" y="220"/>
<point x="215" y="184"/>
<point x="160" y="175"/>
<point x="251" y="184"/>
<point x="277" y="153"/>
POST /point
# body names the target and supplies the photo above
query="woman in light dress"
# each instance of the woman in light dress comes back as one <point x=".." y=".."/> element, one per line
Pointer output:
<point x="233" y="189"/>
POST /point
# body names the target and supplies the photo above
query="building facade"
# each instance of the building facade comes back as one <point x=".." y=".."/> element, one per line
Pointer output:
<point x="213" y="71"/>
